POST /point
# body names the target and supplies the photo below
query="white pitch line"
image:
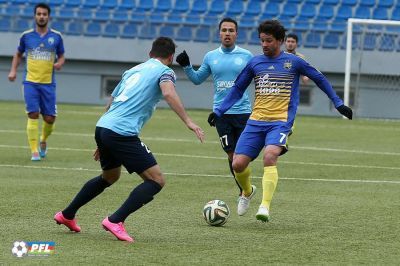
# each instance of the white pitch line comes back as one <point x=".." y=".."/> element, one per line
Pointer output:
<point x="224" y="158"/>
<point x="217" y="142"/>
<point x="207" y="175"/>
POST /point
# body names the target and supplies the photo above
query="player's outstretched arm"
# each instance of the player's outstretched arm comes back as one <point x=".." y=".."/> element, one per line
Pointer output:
<point x="173" y="100"/>
<point x="183" y="59"/>
<point x="14" y="65"/>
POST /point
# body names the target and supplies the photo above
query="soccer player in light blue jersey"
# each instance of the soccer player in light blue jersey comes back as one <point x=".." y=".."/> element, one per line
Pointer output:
<point x="117" y="136"/>
<point x="224" y="64"/>
<point x="44" y="50"/>
<point x="276" y="77"/>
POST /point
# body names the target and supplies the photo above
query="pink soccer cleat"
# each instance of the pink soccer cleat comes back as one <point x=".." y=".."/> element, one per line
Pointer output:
<point x="71" y="224"/>
<point x="117" y="229"/>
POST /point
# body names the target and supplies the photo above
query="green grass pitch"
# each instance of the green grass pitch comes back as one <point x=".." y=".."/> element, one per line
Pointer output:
<point x="337" y="200"/>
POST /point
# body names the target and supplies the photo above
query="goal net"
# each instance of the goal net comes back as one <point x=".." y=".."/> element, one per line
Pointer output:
<point x="372" y="71"/>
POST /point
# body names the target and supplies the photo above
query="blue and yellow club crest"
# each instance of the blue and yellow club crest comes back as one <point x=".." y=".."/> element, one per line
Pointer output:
<point x="287" y="64"/>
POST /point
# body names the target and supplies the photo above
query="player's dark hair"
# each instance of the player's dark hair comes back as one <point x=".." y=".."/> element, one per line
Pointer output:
<point x="274" y="28"/>
<point x="42" y="5"/>
<point x="293" y="36"/>
<point x="227" y="19"/>
<point x="162" y="47"/>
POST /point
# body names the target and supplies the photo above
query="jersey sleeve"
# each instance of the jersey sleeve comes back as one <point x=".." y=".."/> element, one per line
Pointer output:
<point x="60" y="46"/>
<point x="21" y="46"/>
<point x="236" y="92"/>
<point x="322" y="82"/>
<point x="200" y="75"/>
<point x="168" y="75"/>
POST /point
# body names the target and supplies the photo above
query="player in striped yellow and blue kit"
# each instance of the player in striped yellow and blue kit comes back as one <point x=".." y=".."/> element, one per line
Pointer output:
<point x="276" y="77"/>
<point x="44" y="51"/>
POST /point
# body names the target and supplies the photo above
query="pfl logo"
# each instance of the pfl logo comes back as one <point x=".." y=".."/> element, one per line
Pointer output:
<point x="21" y="248"/>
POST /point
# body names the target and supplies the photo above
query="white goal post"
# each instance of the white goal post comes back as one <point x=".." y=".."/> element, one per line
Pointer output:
<point x="388" y="79"/>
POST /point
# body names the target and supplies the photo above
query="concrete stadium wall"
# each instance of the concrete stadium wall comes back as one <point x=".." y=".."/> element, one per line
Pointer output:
<point x="88" y="59"/>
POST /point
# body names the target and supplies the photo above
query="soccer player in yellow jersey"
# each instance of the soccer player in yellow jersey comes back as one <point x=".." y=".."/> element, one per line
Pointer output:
<point x="276" y="78"/>
<point x="44" y="52"/>
<point x="291" y="42"/>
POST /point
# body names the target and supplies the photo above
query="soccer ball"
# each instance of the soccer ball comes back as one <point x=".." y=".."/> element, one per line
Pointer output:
<point x="19" y="249"/>
<point x="216" y="212"/>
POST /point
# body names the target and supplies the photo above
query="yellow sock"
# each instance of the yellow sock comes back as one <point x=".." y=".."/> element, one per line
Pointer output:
<point x="243" y="179"/>
<point x="269" y="182"/>
<point x="46" y="131"/>
<point x="32" y="130"/>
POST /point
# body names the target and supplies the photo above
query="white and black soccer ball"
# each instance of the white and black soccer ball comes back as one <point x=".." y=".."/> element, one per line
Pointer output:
<point x="19" y="249"/>
<point x="216" y="212"/>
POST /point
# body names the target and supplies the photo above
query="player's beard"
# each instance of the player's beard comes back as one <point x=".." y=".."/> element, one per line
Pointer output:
<point x="41" y="24"/>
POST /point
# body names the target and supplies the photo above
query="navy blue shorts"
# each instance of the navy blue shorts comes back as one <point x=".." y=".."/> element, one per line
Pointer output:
<point x="129" y="151"/>
<point x="229" y="128"/>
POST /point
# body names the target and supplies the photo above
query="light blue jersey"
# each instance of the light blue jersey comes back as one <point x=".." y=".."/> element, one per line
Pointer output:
<point x="224" y="65"/>
<point x="136" y="97"/>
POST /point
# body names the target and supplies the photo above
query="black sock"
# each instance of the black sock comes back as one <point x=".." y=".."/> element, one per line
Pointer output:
<point x="89" y="191"/>
<point x="233" y="173"/>
<point x="141" y="195"/>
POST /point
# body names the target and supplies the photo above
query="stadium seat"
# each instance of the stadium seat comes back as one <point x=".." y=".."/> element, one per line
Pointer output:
<point x="308" y="10"/>
<point x="22" y="25"/>
<point x="91" y="3"/>
<point x="387" y="43"/>
<point x="127" y="4"/>
<point x="102" y="15"/>
<point x="362" y="12"/>
<point x="184" y="33"/>
<point x="163" y="6"/>
<point x="12" y="11"/>
<point x="370" y="41"/>
<point x="254" y="38"/>
<point x="27" y="11"/>
<point x="242" y="37"/>
<point x="192" y="19"/>
<point x="349" y="2"/>
<point x="289" y="10"/>
<point x="385" y="3"/>
<point x="368" y="3"/>
<point x="271" y="10"/>
<point x="202" y="34"/>
<point x="66" y="13"/>
<point x="174" y="18"/>
<point x="302" y="24"/>
<point x="85" y="14"/>
<point x="339" y="25"/>
<point x="138" y="17"/>
<point x="120" y="16"/>
<point x="199" y="6"/>
<point x="145" y="5"/>
<point x="395" y="14"/>
<point x="147" y="32"/>
<point x="111" y="30"/>
<point x="58" y="25"/>
<point x="72" y="3"/>
<point x="93" y="29"/>
<point x="167" y="31"/>
<point x="75" y="28"/>
<point x="355" y="42"/>
<point x="331" y="41"/>
<point x="253" y="8"/>
<point x="5" y="24"/>
<point x="235" y="7"/>
<point x="247" y="22"/>
<point x="181" y="6"/>
<point x="110" y="4"/>
<point x="320" y="24"/>
<point x="330" y="2"/>
<point x="56" y="3"/>
<point x="210" y="20"/>
<point x="294" y="1"/>
<point x="326" y="11"/>
<point x="129" y="31"/>
<point x="217" y="7"/>
<point x="380" y="13"/>
<point x="18" y="2"/>
<point x="344" y="12"/>
<point x="312" y="2"/>
<point x="312" y="40"/>
<point x="157" y="18"/>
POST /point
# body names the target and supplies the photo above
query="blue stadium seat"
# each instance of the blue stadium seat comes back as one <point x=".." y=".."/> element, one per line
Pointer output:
<point x="91" y="3"/>
<point x="66" y="14"/>
<point x="286" y="21"/>
<point x="370" y="41"/>
<point x="145" y="5"/>
<point x="253" y="8"/>
<point x="127" y="4"/>
<point x="54" y="3"/>
<point x="339" y="25"/>
<point x="362" y="12"/>
<point x="93" y="29"/>
<point x="289" y="10"/>
<point x="202" y="34"/>
<point x="308" y="10"/>
<point x="199" y="6"/>
<point x="58" y="25"/>
<point x="181" y="6"/>
<point x="313" y="40"/>
<point x="349" y="2"/>
<point x="27" y="11"/>
<point x="167" y="31"/>
<point x="72" y="3"/>
<point x="355" y="41"/>
<point x="217" y="7"/>
<point x="331" y="40"/>
<point x="129" y="31"/>
<point x="235" y="7"/>
<point x="294" y="1"/>
<point x="271" y="10"/>
<point x="147" y="32"/>
<point x="157" y="18"/>
<point x="320" y="24"/>
<point x="302" y="24"/>
<point x="369" y="3"/>
<point x="138" y="17"/>
<point x="326" y="11"/>
<point x="312" y="1"/>
<point x="17" y="2"/>
<point x="102" y="15"/>
<point x="241" y="37"/>
<point x="85" y="14"/>
<point x="110" y="4"/>
<point x="344" y="12"/>
<point x="330" y="2"/>
<point x="387" y="43"/>
<point x="247" y="22"/>
<point x="111" y="30"/>
<point x="184" y="33"/>
<point x="120" y="16"/>
<point x="254" y="38"/>
<point x="174" y="18"/>
<point x="210" y="20"/>
<point x="192" y="19"/>
<point x="385" y="3"/>
<point x="163" y="6"/>
<point x="75" y="28"/>
<point x="380" y="13"/>
<point x="5" y="24"/>
<point x="12" y="11"/>
<point x="395" y="14"/>
<point x="22" y="25"/>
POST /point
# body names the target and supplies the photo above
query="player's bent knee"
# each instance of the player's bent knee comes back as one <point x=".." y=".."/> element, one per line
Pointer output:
<point x="238" y="166"/>
<point x="33" y="115"/>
